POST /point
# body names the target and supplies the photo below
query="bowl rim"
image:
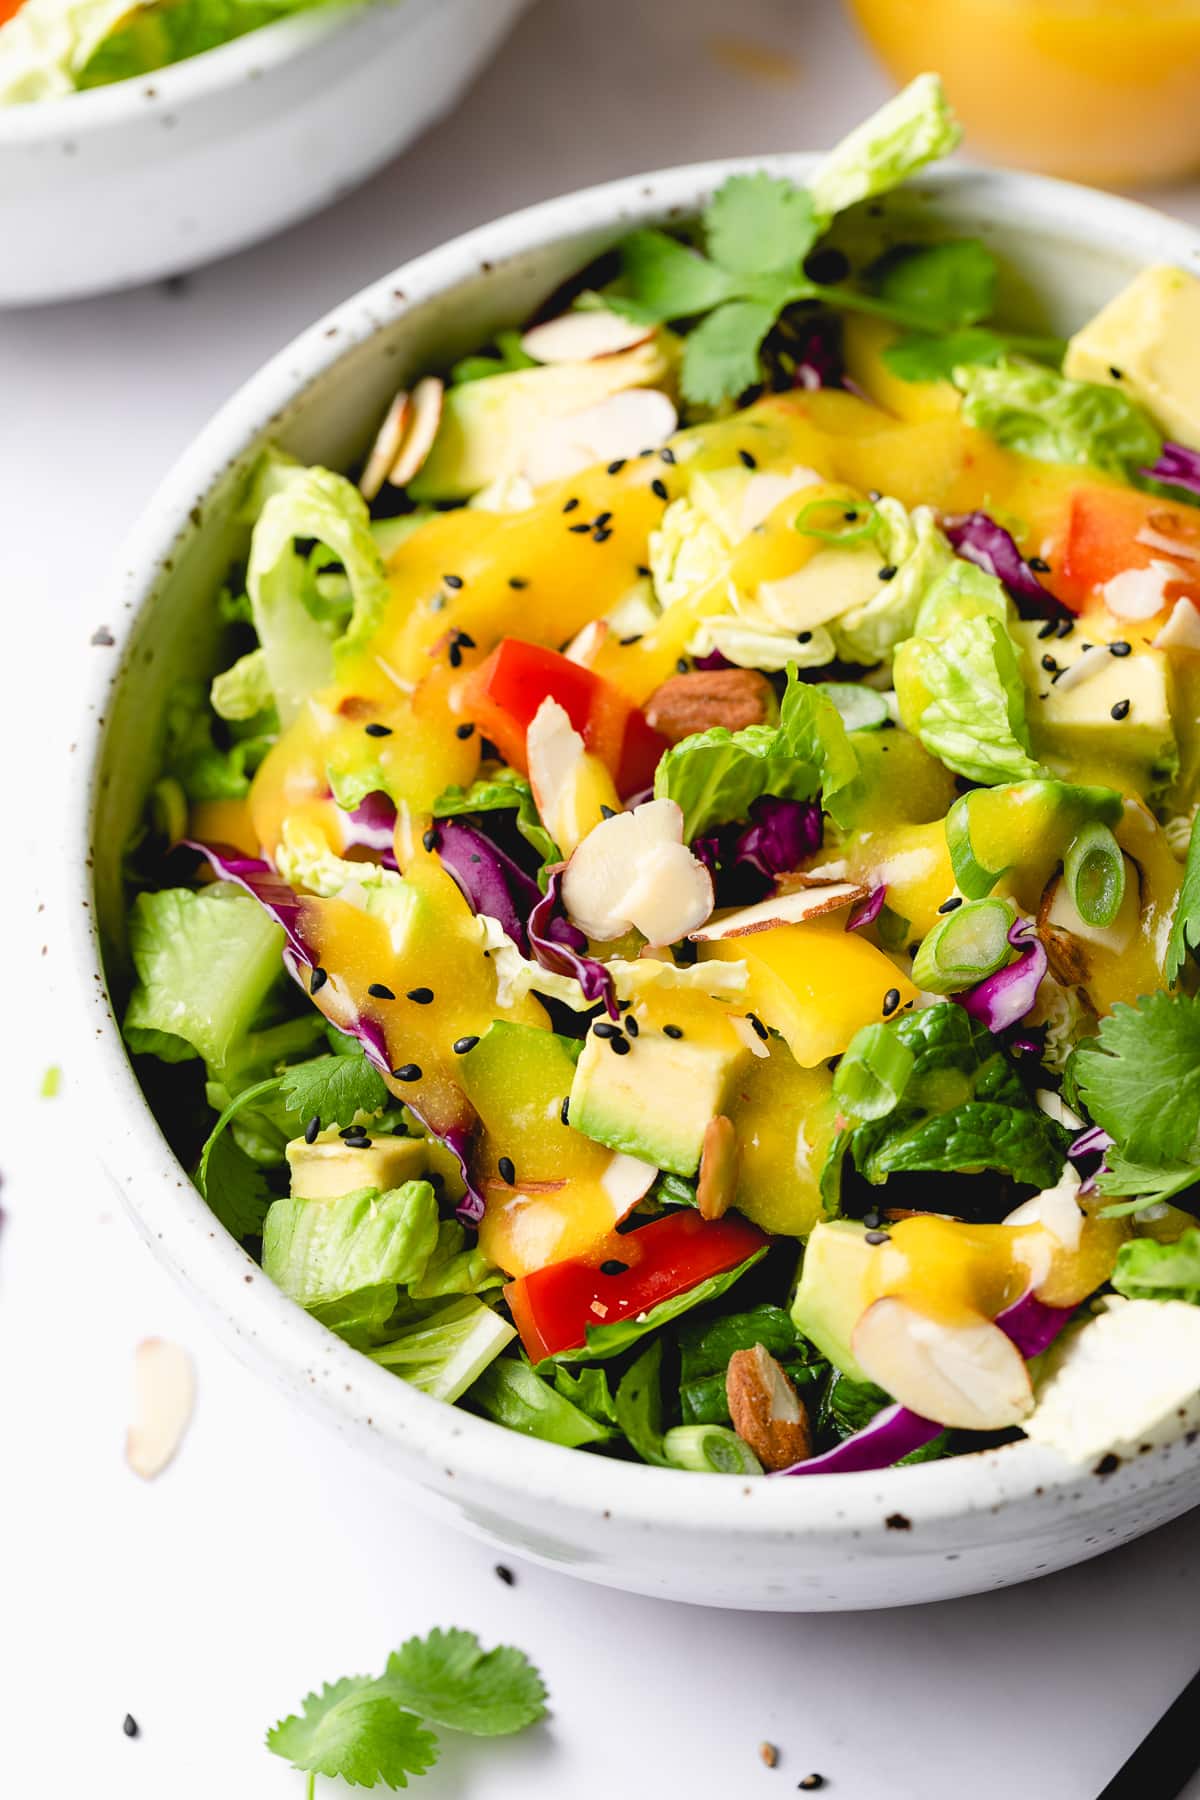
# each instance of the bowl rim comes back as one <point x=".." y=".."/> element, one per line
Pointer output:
<point x="250" y="57"/>
<point x="364" y="1400"/>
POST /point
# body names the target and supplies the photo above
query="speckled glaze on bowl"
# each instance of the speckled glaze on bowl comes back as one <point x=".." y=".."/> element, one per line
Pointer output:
<point x="153" y="176"/>
<point x="846" y="1541"/>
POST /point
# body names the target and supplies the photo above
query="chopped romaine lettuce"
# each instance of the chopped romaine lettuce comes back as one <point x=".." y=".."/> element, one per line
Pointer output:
<point x="1028" y="407"/>
<point x="206" y="961"/>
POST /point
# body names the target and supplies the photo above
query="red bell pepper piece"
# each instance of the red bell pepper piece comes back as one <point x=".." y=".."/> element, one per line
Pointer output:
<point x="553" y="1307"/>
<point x="503" y="694"/>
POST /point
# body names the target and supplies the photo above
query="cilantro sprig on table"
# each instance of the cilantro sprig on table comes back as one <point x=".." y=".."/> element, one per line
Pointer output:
<point x="1140" y="1079"/>
<point x="373" y="1729"/>
<point x="758" y="232"/>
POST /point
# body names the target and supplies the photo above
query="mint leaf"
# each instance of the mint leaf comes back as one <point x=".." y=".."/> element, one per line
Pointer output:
<point x="234" y="1186"/>
<point x="1150" y="1271"/>
<point x="757" y="224"/>
<point x="720" y="358"/>
<point x="947" y="285"/>
<point x="1140" y="1078"/>
<point x="334" y="1089"/>
<point x="448" y="1677"/>
<point x="1017" y="1139"/>
<point x="358" y="1729"/>
<point x="918" y="356"/>
<point x="1185" y="926"/>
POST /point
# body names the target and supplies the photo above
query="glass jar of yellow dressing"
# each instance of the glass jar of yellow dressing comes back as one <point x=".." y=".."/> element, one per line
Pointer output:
<point x="1097" y="90"/>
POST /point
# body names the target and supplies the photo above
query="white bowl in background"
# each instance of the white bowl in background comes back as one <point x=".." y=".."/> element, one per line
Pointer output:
<point x="152" y="176"/>
<point x="844" y="1541"/>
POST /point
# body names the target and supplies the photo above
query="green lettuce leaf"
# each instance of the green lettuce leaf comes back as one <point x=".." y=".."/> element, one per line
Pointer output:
<point x="913" y="129"/>
<point x="847" y="1406"/>
<point x="1185" y="926"/>
<point x="716" y="775"/>
<point x="639" y="1405"/>
<point x="321" y="1250"/>
<point x="45" y="44"/>
<point x="960" y="690"/>
<point x="455" y="1267"/>
<point x="243" y="691"/>
<point x="503" y="791"/>
<point x="513" y="1394"/>
<point x="443" y="1346"/>
<point x="206" y="961"/>
<point x="1147" y="1270"/>
<point x="191" y="755"/>
<point x="1030" y="408"/>
<point x="911" y="544"/>
<point x="150" y="37"/>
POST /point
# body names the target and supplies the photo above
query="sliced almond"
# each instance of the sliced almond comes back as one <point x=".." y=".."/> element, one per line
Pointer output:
<point x="554" y="751"/>
<point x="635" y="419"/>
<point x="1182" y="629"/>
<point x="587" y="644"/>
<point x="583" y="336"/>
<point x="421" y="428"/>
<point x="686" y="704"/>
<point x="386" y="447"/>
<point x="782" y="909"/>
<point x="164" y="1393"/>
<point x="1140" y="593"/>
<point x="626" y="1180"/>
<point x="767" y="1412"/>
<point x="634" y="872"/>
<point x="968" y="1376"/>
<point x="717" y="1181"/>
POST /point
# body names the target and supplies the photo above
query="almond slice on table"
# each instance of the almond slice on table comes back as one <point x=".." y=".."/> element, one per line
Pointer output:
<point x="782" y="909"/>
<point x="767" y="1412"/>
<point x="634" y="872"/>
<point x="623" y="425"/>
<point x="969" y="1376"/>
<point x="386" y="447"/>
<point x="421" y="428"/>
<point x="164" y="1393"/>
<point x="583" y="337"/>
<point x="717" y="1181"/>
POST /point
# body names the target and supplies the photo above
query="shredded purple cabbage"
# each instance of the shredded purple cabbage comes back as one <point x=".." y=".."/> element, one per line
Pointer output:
<point x="372" y="826"/>
<point x="491" y="882"/>
<point x="780" y="836"/>
<point x="285" y="907"/>
<point x="892" y="1433"/>
<point x="1092" y="1142"/>
<point x="1032" y="1325"/>
<point x="714" y="660"/>
<point x="819" y="354"/>
<point x="562" y="948"/>
<point x="1005" y="997"/>
<point x="1177" y="466"/>
<point x="868" y="910"/>
<point x="977" y="537"/>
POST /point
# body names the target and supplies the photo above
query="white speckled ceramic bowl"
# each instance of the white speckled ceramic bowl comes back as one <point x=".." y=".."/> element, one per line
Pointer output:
<point x="842" y="1541"/>
<point x="150" y="177"/>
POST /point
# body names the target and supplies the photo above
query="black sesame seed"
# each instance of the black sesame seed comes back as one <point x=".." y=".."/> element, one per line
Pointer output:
<point x="1065" y="628"/>
<point x="614" y="468"/>
<point x="672" y="1031"/>
<point x="1039" y="564"/>
<point x="453" y="581"/>
<point x="1120" y="648"/>
<point x="613" y="1267"/>
<point x="421" y="996"/>
<point x="632" y="1026"/>
<point x="891" y="1001"/>
<point x="607" y="812"/>
<point x="349" y="1131"/>
<point x="1121" y="709"/>
<point x="878" y="1237"/>
<point x="602" y="536"/>
<point x="747" y="461"/>
<point x="429" y="839"/>
<point x="601" y="518"/>
<point x="888" y="572"/>
<point x="571" y="504"/>
<point x="463" y="1044"/>
<point x="507" y="1170"/>
<point x="317" y="979"/>
<point x="455" y="655"/>
<point x="1048" y="662"/>
<point x="312" y="1128"/>
<point x="643" y="571"/>
<point x="659" y="487"/>
<point x="872" y="1220"/>
<point x="634" y="637"/>
<point x="804" y="637"/>
<point x="1117" y="374"/>
<point x="358" y="1143"/>
<point x="407" y="1072"/>
<point x="850" y="517"/>
<point x="375" y="729"/>
<point x="517" y="581"/>
<point x="465" y="639"/>
<point x="951" y="905"/>
<point x="565" y="1109"/>
<point x="666" y="454"/>
<point x="758" y="1025"/>
<point x="682" y="665"/>
<point x="379" y="991"/>
<point x="1048" y="629"/>
<point x="619" y="1045"/>
<point x="505" y="1575"/>
<point x="606" y="1029"/>
<point x="129" y="1725"/>
<point x="581" y="529"/>
<point x="464" y="731"/>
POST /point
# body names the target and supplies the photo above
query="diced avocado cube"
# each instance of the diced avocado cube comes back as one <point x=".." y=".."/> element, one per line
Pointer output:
<point x="1147" y="342"/>
<point x="516" y="1078"/>
<point x="832" y="1295"/>
<point x="656" y="1100"/>
<point x="329" y="1167"/>
<point x="1073" y="723"/>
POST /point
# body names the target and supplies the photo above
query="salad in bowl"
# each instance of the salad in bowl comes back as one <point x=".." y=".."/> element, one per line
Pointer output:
<point x="672" y="926"/>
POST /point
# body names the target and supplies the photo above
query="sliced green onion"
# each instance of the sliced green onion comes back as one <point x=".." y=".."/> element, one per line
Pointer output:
<point x="710" y="1450"/>
<point x="1094" y="870"/>
<point x="873" y="1073"/>
<point x="966" y="946"/>
<point x="862" y="708"/>
<point x="838" y="521"/>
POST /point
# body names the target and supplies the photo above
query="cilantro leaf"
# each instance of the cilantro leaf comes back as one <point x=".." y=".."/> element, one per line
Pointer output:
<point x="334" y="1089"/>
<point x="449" y="1678"/>
<point x="234" y="1186"/>
<point x="356" y="1728"/>
<point x="918" y="356"/>
<point x="1185" y="926"/>
<point x="1150" y="1271"/>
<point x="947" y="285"/>
<point x="666" y="280"/>
<point x="1148" y="1186"/>
<point x="756" y="224"/>
<point x="720" y="358"/>
<point x="1140" y="1078"/>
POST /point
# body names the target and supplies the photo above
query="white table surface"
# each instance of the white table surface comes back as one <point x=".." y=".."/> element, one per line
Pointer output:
<point x="266" y="1560"/>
